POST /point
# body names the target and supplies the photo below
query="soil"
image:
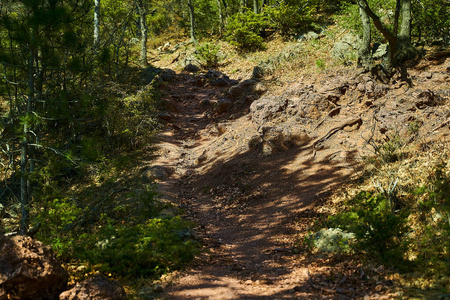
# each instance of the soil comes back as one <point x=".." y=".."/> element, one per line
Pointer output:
<point x="250" y="203"/>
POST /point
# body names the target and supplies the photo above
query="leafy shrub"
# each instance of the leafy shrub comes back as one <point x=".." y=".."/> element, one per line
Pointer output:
<point x="140" y="250"/>
<point x="378" y="230"/>
<point x="208" y="54"/>
<point x="55" y="219"/>
<point x="130" y="240"/>
<point x="245" y="30"/>
<point x="433" y="243"/>
<point x="430" y="20"/>
<point x="288" y="18"/>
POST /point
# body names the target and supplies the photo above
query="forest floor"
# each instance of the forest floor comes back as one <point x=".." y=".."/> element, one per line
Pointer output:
<point x="253" y="206"/>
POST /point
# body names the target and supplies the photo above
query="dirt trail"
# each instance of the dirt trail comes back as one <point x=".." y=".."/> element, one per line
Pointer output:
<point x="246" y="198"/>
<point x="244" y="203"/>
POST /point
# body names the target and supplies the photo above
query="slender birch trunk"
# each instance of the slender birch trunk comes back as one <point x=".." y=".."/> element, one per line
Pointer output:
<point x="144" y="33"/>
<point x="96" y="23"/>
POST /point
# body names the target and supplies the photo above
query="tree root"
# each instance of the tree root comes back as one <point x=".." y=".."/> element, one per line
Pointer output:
<point x="333" y="131"/>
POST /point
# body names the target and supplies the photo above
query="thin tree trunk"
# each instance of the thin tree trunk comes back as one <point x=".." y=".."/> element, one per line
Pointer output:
<point x="255" y="6"/>
<point x="221" y="17"/>
<point x="144" y="33"/>
<point x="405" y="28"/>
<point x="391" y="37"/>
<point x="24" y="184"/>
<point x="365" y="52"/>
<point x="96" y="23"/>
<point x="192" y="19"/>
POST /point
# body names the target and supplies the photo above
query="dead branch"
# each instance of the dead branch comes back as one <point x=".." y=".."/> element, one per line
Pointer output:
<point x="333" y="131"/>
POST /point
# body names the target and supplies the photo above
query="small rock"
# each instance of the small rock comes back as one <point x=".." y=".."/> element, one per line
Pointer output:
<point x="223" y="105"/>
<point x="95" y="288"/>
<point x="156" y="172"/>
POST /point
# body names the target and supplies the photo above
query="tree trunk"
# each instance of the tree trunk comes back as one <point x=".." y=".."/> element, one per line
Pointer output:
<point x="192" y="19"/>
<point x="221" y="17"/>
<point x="144" y="33"/>
<point x="24" y="183"/>
<point x="365" y="51"/>
<point x="96" y="23"/>
<point x="255" y="6"/>
<point x="390" y="37"/>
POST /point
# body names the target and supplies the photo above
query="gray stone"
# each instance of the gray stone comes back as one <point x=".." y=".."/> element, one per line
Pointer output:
<point x="379" y="51"/>
<point x="332" y="239"/>
<point x="267" y="108"/>
<point x="309" y="36"/>
<point x="346" y="47"/>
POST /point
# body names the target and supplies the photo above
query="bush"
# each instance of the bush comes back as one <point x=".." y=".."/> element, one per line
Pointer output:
<point x="433" y="242"/>
<point x="378" y="230"/>
<point x="148" y="249"/>
<point x="208" y="54"/>
<point x="134" y="240"/>
<point x="245" y="30"/>
<point x="289" y="18"/>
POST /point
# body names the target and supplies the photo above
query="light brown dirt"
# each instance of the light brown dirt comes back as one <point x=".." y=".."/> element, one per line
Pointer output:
<point x="245" y="202"/>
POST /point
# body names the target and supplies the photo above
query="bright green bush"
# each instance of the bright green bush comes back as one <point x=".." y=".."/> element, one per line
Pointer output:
<point x="379" y="230"/>
<point x="289" y="19"/>
<point x="148" y="249"/>
<point x="208" y="54"/>
<point x="245" y="30"/>
<point x="131" y="239"/>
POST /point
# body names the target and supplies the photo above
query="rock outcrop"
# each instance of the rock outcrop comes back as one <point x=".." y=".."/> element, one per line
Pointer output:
<point x="29" y="270"/>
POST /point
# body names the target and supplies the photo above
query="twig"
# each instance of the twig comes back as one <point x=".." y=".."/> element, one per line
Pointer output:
<point x="442" y="125"/>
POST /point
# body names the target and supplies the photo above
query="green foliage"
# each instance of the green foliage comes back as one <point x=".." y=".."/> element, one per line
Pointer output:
<point x="433" y="242"/>
<point x="430" y="20"/>
<point x="290" y="19"/>
<point x="117" y="242"/>
<point x="209" y="54"/>
<point x="56" y="218"/>
<point x="390" y="151"/>
<point x="378" y="229"/>
<point x="320" y="63"/>
<point x="245" y="30"/>
<point x="159" y="245"/>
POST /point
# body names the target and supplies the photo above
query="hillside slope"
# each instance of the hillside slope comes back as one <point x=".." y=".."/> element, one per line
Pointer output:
<point x="251" y="163"/>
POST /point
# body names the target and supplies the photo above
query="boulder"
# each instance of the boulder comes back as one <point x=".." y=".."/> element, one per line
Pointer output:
<point x="95" y="288"/>
<point x="267" y="108"/>
<point x="346" y="47"/>
<point x="379" y="51"/>
<point x="29" y="270"/>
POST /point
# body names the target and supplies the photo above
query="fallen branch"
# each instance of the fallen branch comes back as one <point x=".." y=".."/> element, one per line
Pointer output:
<point x="333" y="131"/>
<point x="441" y="125"/>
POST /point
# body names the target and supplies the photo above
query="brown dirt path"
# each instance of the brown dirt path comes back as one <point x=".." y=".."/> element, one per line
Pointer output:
<point x="244" y="203"/>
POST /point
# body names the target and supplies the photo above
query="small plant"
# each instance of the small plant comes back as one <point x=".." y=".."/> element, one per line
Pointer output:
<point x="378" y="230"/>
<point x="414" y="127"/>
<point x="320" y="63"/>
<point x="208" y="54"/>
